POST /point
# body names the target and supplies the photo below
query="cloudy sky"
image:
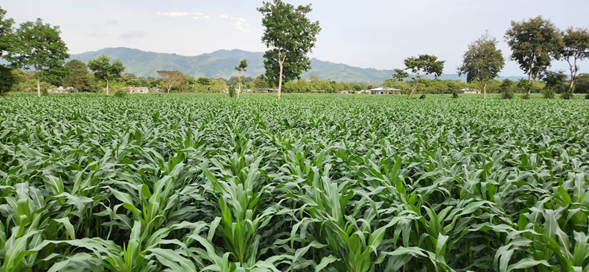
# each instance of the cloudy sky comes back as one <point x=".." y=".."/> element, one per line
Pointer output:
<point x="368" y="34"/>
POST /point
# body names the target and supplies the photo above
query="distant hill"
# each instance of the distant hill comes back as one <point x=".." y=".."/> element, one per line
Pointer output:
<point x="221" y="63"/>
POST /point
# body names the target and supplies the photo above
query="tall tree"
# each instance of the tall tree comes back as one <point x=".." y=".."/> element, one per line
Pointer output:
<point x="242" y="66"/>
<point x="7" y="79"/>
<point x="534" y="43"/>
<point x="289" y="35"/>
<point x="482" y="61"/>
<point x="105" y="70"/>
<point x="400" y="75"/>
<point x="78" y="76"/>
<point x="423" y="65"/>
<point x="171" y="79"/>
<point x="39" y="47"/>
<point x="6" y="32"/>
<point x="576" y="48"/>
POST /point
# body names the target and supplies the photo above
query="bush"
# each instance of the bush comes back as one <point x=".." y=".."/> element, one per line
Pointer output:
<point x="526" y="96"/>
<point x="121" y="94"/>
<point x="566" y="95"/>
<point x="422" y="96"/>
<point x="506" y="89"/>
<point x="587" y="96"/>
<point x="232" y="92"/>
<point x="548" y="93"/>
<point x="44" y="92"/>
<point x="454" y="93"/>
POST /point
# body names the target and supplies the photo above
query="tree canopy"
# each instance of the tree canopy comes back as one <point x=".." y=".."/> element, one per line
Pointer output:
<point x="423" y="65"/>
<point x="105" y="70"/>
<point x="78" y="76"/>
<point x="39" y="47"/>
<point x="575" y="49"/>
<point x="534" y="43"/>
<point x="482" y="61"/>
<point x="171" y="79"/>
<point x="290" y="36"/>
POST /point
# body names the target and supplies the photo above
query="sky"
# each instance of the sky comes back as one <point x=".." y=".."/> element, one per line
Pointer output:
<point x="367" y="34"/>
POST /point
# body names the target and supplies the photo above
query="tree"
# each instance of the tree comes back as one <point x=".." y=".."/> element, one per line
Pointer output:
<point x="555" y="83"/>
<point x="261" y="82"/>
<point x="78" y="76"/>
<point x="289" y="35"/>
<point x="324" y="85"/>
<point x="105" y="70"/>
<point x="39" y="47"/>
<point x="506" y="89"/>
<point x="314" y="78"/>
<point x="203" y="81"/>
<point x="171" y="78"/>
<point x="576" y="48"/>
<point x="6" y="35"/>
<point x="357" y="88"/>
<point x="241" y="68"/>
<point x="423" y="65"/>
<point x="534" y="43"/>
<point x="582" y="83"/>
<point x="400" y="75"/>
<point x="482" y="61"/>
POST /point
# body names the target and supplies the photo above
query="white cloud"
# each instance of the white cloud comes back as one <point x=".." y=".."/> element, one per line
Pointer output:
<point x="195" y="15"/>
<point x="238" y="23"/>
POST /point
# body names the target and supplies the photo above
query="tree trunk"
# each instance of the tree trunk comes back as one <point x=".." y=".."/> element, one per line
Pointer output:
<point x="106" y="86"/>
<point x="485" y="91"/>
<point x="280" y="79"/>
<point x="573" y="69"/>
<point x="38" y="88"/>
<point x="170" y="87"/>
<point x="414" y="88"/>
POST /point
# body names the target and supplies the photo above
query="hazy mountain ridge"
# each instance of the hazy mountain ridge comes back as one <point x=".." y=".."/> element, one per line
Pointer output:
<point x="221" y="63"/>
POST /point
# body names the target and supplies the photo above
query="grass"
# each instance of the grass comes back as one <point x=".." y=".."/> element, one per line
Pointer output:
<point x="188" y="182"/>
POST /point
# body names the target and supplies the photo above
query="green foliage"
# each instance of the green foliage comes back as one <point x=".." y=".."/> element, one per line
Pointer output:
<point x="7" y="78"/>
<point x="105" y="70"/>
<point x="44" y="92"/>
<point x="78" y="76"/>
<point x="290" y="36"/>
<point x="7" y="40"/>
<point x="582" y="83"/>
<point x="423" y="65"/>
<point x="575" y="48"/>
<point x="39" y="47"/>
<point x="527" y="96"/>
<point x="548" y="93"/>
<point x="422" y="96"/>
<point x="482" y="61"/>
<point x="232" y="92"/>
<point x="454" y="93"/>
<point x="568" y="94"/>
<point x="534" y="43"/>
<point x="400" y="75"/>
<point x="587" y="96"/>
<point x="121" y="94"/>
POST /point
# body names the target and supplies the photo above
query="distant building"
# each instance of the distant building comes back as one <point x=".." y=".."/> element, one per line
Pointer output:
<point x="382" y="90"/>
<point x="142" y="90"/>
<point x="61" y="89"/>
<point x="317" y="91"/>
<point x="343" y="92"/>
<point x="470" y="91"/>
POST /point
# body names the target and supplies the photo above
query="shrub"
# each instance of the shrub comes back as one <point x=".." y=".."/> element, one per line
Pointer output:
<point x="548" y="93"/>
<point x="454" y="93"/>
<point x="506" y="89"/>
<point x="232" y="92"/>
<point x="587" y="96"/>
<point x="566" y="95"/>
<point x="525" y="96"/>
<point x="121" y="94"/>
<point x="422" y="96"/>
<point x="44" y="92"/>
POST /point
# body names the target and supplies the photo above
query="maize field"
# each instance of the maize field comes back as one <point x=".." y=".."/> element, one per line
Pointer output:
<point x="190" y="182"/>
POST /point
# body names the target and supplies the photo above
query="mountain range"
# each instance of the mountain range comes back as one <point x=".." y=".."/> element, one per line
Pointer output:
<point x="221" y="63"/>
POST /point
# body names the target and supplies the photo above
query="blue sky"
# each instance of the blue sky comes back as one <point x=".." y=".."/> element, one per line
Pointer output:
<point x="368" y="34"/>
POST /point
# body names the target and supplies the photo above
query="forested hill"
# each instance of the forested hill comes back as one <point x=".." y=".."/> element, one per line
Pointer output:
<point x="221" y="63"/>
